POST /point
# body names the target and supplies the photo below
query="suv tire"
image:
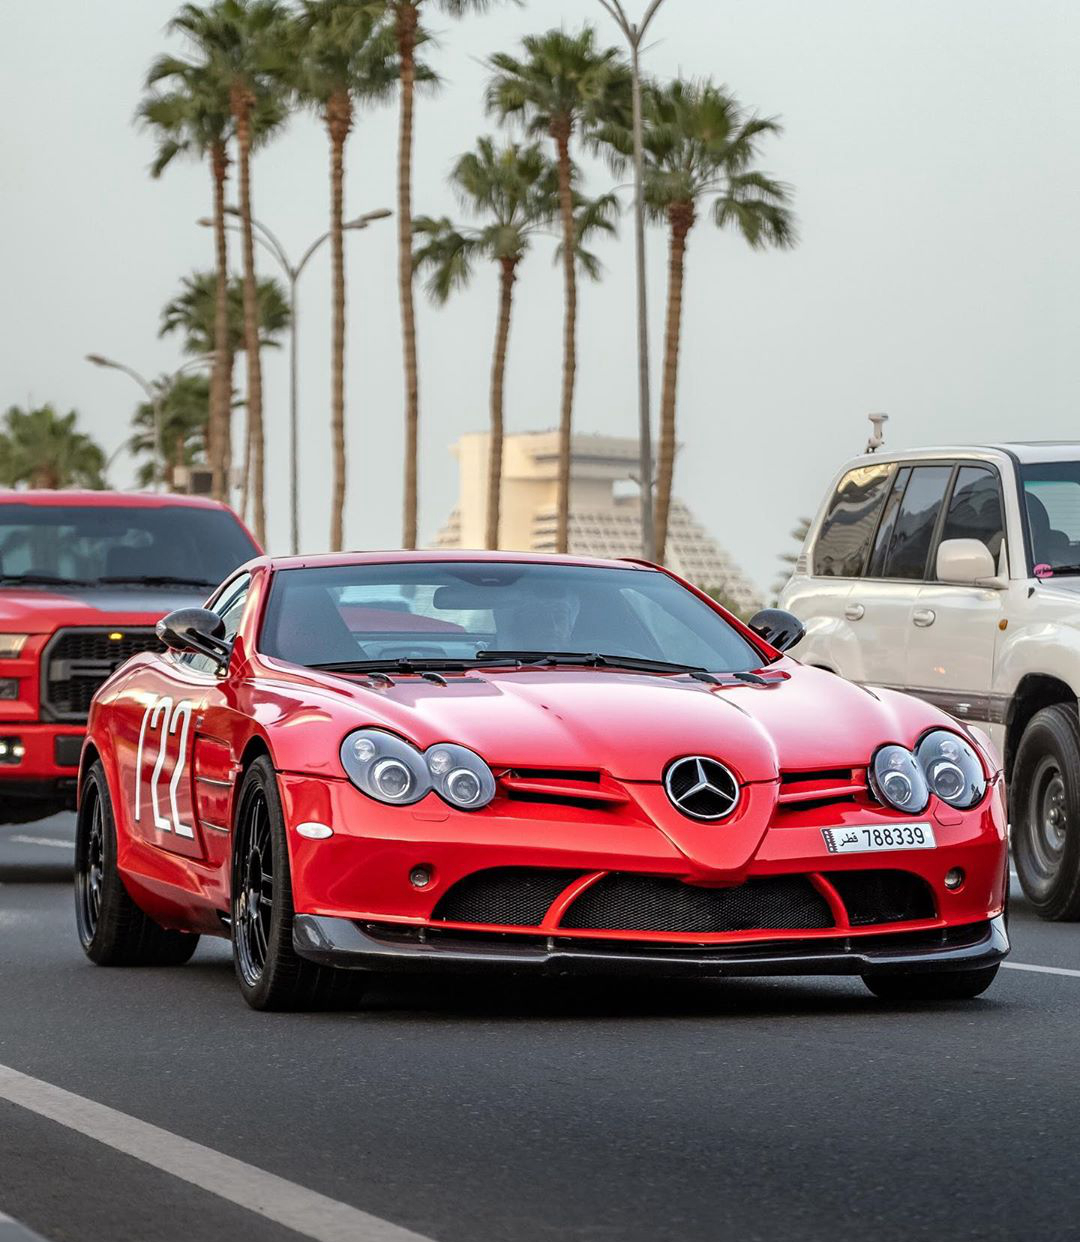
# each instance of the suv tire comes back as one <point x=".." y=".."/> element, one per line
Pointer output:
<point x="1044" y="804"/>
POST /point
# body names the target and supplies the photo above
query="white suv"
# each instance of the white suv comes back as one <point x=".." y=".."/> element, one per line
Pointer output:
<point x="954" y="574"/>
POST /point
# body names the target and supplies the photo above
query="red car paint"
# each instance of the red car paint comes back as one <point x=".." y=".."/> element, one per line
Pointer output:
<point x="46" y="773"/>
<point x="799" y="748"/>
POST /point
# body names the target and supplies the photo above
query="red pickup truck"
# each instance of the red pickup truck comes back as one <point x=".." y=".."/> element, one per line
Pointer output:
<point x="84" y="576"/>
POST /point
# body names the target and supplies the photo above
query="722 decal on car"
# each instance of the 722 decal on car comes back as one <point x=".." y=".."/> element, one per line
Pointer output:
<point x="165" y="719"/>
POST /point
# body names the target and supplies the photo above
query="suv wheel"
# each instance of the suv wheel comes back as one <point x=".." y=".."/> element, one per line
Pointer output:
<point x="1044" y="803"/>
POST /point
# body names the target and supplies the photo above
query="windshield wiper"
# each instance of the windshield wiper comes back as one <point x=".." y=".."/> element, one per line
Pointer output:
<point x="41" y="580"/>
<point x="583" y="659"/>
<point x="1062" y="569"/>
<point x="400" y="665"/>
<point x="155" y="580"/>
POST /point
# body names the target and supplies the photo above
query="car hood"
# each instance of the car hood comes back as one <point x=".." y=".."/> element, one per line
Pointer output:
<point x="632" y="725"/>
<point x="41" y="611"/>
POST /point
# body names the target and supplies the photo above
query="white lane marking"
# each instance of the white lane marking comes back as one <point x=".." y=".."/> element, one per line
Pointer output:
<point x="306" y="1211"/>
<point x="12" y="1231"/>
<point x="1043" y="970"/>
<point x="56" y="845"/>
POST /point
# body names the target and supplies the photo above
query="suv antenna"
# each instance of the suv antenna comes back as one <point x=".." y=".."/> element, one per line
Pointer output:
<point x="877" y="438"/>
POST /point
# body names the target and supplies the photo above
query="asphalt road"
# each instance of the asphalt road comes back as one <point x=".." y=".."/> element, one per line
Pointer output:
<point x="782" y="1109"/>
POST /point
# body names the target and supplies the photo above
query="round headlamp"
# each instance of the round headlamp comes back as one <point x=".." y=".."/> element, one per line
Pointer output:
<point x="953" y="770"/>
<point x="898" y="780"/>
<point x="389" y="769"/>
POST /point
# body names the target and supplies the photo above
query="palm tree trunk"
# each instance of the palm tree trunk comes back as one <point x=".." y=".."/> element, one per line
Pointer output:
<point x="498" y="375"/>
<point x="242" y="104"/>
<point x="407" y="20"/>
<point x="566" y="416"/>
<point x="219" y="432"/>
<point x="681" y="217"/>
<point x="339" y="121"/>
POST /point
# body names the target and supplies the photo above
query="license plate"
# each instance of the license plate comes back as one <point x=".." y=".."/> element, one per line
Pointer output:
<point x="870" y="840"/>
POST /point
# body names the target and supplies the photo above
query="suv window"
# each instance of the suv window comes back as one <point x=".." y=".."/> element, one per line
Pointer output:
<point x="844" y="539"/>
<point x="916" y="518"/>
<point x="888" y="523"/>
<point x="975" y="508"/>
<point x="229" y="606"/>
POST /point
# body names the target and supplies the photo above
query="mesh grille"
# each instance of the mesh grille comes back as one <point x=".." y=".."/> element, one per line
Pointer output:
<point x="76" y="662"/>
<point x="883" y="896"/>
<point x="646" y="903"/>
<point x="511" y="896"/>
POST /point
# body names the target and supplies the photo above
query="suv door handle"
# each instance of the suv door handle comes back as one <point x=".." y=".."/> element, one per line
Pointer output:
<point x="854" y="612"/>
<point x="924" y="616"/>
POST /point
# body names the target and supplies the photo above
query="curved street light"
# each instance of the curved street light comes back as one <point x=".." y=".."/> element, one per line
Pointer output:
<point x="293" y="272"/>
<point x="156" y="394"/>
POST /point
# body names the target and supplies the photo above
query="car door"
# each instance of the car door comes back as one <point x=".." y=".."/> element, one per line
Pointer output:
<point x="954" y="629"/>
<point x="880" y="605"/>
<point x="167" y="808"/>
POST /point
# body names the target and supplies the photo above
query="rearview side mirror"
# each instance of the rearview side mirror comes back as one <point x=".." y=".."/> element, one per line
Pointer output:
<point x="195" y="629"/>
<point x="966" y="562"/>
<point x="780" y="629"/>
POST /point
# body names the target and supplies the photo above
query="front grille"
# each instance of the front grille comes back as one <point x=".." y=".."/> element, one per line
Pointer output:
<point x="76" y="662"/>
<point x="883" y="896"/>
<point x="510" y="896"/>
<point x="648" y="903"/>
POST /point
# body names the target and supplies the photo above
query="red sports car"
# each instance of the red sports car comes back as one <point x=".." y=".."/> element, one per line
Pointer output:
<point x="473" y="761"/>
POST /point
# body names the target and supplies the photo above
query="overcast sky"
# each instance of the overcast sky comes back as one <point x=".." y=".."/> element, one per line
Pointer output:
<point x="932" y="145"/>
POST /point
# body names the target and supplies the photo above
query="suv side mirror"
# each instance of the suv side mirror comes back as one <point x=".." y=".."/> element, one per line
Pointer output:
<point x="966" y="562"/>
<point x="780" y="629"/>
<point x="195" y="629"/>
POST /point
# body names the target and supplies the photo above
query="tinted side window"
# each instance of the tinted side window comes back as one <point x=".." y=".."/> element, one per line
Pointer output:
<point x="844" y="539"/>
<point x="230" y="608"/>
<point x="915" y="521"/>
<point x="888" y="523"/>
<point x="975" y="509"/>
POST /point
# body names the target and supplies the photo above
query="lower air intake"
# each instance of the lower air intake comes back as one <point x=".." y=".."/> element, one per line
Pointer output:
<point x="650" y="904"/>
<point x="883" y="896"/>
<point x="510" y="896"/>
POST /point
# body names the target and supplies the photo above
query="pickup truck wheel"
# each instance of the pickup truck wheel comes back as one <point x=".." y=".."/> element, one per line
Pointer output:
<point x="1045" y="811"/>
<point x="112" y="929"/>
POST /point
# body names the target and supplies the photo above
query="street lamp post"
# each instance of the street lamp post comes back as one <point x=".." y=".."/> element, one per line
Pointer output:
<point x="293" y="272"/>
<point x="156" y="394"/>
<point x="634" y="34"/>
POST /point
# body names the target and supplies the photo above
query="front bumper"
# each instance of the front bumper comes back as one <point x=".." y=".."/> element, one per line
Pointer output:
<point x="375" y="947"/>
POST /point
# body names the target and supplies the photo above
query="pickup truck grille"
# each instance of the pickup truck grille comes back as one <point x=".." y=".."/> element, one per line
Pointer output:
<point x="76" y="661"/>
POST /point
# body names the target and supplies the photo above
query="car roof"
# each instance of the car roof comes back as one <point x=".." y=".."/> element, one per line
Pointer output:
<point x="92" y="499"/>
<point x="1022" y="450"/>
<point x="328" y="560"/>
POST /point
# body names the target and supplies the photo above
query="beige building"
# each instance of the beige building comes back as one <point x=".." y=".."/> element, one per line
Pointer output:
<point x="605" y="517"/>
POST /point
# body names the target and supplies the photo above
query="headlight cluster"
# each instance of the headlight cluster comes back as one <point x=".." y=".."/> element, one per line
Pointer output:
<point x="942" y="764"/>
<point x="11" y="645"/>
<point x="390" y="770"/>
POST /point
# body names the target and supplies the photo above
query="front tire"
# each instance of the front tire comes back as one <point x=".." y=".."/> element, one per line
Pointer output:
<point x="944" y="985"/>
<point x="1045" y="811"/>
<point x="113" y="931"/>
<point x="272" y="976"/>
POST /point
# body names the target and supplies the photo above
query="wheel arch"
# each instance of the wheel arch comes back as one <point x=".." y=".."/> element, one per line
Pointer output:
<point x="1033" y="692"/>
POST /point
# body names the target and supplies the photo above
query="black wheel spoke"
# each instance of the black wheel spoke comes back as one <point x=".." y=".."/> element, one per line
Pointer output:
<point x="253" y="886"/>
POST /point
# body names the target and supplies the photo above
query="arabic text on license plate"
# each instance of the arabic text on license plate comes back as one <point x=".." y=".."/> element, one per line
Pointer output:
<point x="881" y="837"/>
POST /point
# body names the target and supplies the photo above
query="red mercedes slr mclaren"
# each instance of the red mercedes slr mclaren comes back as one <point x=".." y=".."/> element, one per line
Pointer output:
<point x="470" y="761"/>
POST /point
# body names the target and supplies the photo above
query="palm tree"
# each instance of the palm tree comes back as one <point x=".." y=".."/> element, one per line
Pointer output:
<point x="517" y="190"/>
<point x="192" y="118"/>
<point x="408" y="33"/>
<point x="193" y="314"/>
<point x="564" y="84"/>
<point x="239" y="40"/>
<point x="185" y="406"/>
<point x="344" y="55"/>
<point x="788" y="559"/>
<point x="44" y="449"/>
<point x="700" y="145"/>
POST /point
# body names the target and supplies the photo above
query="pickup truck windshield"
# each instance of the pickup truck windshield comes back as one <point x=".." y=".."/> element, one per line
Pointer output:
<point x="1052" y="496"/>
<point x="451" y="611"/>
<point x="98" y="545"/>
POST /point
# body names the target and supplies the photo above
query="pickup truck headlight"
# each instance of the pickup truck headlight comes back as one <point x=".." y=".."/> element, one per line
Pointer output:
<point x="11" y="645"/>
<point x="389" y="769"/>
<point x="898" y="780"/>
<point x="952" y="768"/>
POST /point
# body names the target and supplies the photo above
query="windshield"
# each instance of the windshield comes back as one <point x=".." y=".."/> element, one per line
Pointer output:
<point x="1052" y="495"/>
<point x="453" y="611"/>
<point x="99" y="544"/>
